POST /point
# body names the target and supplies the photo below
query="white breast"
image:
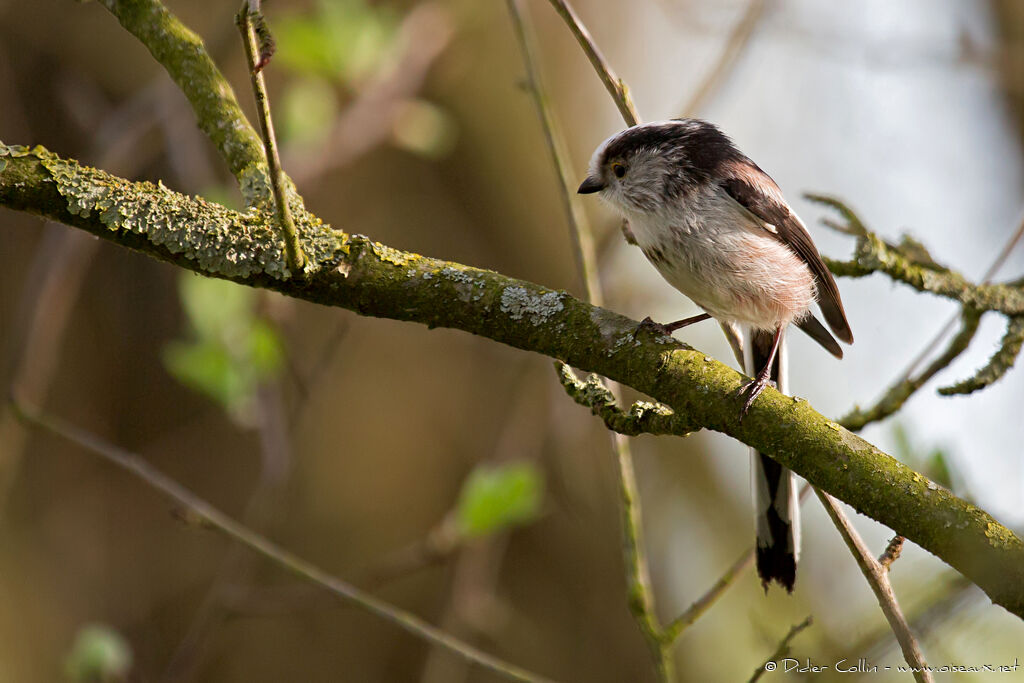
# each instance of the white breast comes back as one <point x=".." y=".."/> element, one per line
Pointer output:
<point x="720" y="256"/>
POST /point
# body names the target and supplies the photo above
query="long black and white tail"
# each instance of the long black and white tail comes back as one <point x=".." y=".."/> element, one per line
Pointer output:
<point x="776" y="505"/>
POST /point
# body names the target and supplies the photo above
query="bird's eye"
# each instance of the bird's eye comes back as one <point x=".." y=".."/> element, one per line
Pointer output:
<point x="619" y="170"/>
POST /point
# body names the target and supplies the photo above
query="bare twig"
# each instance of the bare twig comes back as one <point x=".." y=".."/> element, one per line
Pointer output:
<point x="615" y="85"/>
<point x="710" y="597"/>
<point x="638" y="579"/>
<point x="579" y="230"/>
<point x="262" y="546"/>
<point x="878" y="578"/>
<point x="898" y="394"/>
<point x="735" y="44"/>
<point x="999" y="364"/>
<point x="1004" y="253"/>
<point x="956" y="595"/>
<point x="781" y="651"/>
<point x="275" y="451"/>
<point x="247" y="20"/>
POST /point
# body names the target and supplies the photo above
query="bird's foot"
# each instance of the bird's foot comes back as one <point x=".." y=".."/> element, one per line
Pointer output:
<point x="750" y="391"/>
<point x="650" y="327"/>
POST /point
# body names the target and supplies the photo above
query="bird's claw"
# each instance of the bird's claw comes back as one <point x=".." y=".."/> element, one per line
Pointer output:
<point x="651" y="327"/>
<point x="750" y="391"/>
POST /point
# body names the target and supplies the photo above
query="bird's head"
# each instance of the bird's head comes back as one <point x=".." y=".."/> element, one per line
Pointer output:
<point x="644" y="168"/>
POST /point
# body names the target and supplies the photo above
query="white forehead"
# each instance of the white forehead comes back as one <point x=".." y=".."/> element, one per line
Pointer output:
<point x="595" y="159"/>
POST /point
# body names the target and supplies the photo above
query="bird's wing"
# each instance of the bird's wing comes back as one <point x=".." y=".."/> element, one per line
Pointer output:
<point x="755" y="191"/>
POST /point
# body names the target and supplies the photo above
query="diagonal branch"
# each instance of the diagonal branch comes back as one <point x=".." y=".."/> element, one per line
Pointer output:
<point x="910" y="264"/>
<point x="258" y="48"/>
<point x="183" y="55"/>
<point x="208" y="515"/>
<point x="898" y="394"/>
<point x="877" y="576"/>
<point x="998" y="365"/>
<point x="376" y="280"/>
<point x="616" y="86"/>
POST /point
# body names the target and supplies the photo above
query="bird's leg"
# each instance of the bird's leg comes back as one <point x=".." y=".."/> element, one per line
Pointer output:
<point x="668" y="328"/>
<point x="754" y="388"/>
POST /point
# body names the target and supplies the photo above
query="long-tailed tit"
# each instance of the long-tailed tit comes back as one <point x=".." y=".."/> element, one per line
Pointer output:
<point x="718" y="229"/>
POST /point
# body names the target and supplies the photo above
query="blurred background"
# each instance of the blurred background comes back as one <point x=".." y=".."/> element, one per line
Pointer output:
<point x="447" y="474"/>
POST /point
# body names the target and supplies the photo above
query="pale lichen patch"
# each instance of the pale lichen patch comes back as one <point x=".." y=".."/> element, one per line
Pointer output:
<point x="467" y="287"/>
<point x="518" y="303"/>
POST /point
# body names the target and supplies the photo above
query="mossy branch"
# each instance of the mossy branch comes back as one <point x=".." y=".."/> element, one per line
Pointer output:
<point x="643" y="417"/>
<point x="911" y="264"/>
<point x="898" y="393"/>
<point x="183" y="55"/>
<point x="376" y="280"/>
<point x="998" y="365"/>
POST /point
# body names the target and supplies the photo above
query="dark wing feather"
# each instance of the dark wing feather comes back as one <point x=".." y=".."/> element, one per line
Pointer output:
<point x="757" y="193"/>
<point x="816" y="331"/>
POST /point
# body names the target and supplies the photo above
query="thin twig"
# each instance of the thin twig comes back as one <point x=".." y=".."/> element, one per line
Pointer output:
<point x="284" y="559"/>
<point x="615" y="85"/>
<point x="710" y="597"/>
<point x="638" y="579"/>
<point x="275" y="452"/>
<point x="255" y="56"/>
<point x="898" y="394"/>
<point x="579" y="230"/>
<point x="957" y="594"/>
<point x="878" y="578"/>
<point x="735" y="44"/>
<point x="996" y="264"/>
<point x="771" y="664"/>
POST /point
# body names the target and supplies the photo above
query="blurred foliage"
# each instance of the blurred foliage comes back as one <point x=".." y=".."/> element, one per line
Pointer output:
<point x="309" y="108"/>
<point x="343" y="41"/>
<point x="99" y="655"/>
<point x="498" y="497"/>
<point x="231" y="350"/>
<point x="425" y="129"/>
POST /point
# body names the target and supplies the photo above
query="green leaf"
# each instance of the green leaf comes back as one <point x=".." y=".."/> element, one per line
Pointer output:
<point x="99" y="653"/>
<point x="231" y="351"/>
<point x="209" y="369"/>
<point x="496" y="497"/>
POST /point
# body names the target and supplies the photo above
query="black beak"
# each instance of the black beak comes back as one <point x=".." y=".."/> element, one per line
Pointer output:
<point x="590" y="185"/>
